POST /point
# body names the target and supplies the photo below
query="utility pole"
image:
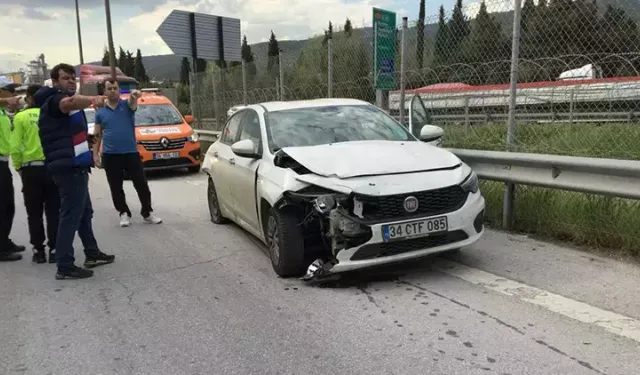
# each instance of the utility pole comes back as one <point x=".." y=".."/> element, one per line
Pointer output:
<point x="79" y="34"/>
<point x="112" y="52"/>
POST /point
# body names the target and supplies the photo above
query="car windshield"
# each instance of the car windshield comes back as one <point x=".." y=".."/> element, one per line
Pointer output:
<point x="332" y="124"/>
<point x="91" y="116"/>
<point x="157" y="114"/>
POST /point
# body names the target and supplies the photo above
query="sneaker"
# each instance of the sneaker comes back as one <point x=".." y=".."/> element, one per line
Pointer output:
<point x="74" y="273"/>
<point x="125" y="220"/>
<point x="9" y="257"/>
<point x="16" y="248"/>
<point x="152" y="219"/>
<point x="39" y="256"/>
<point x="52" y="255"/>
<point x="98" y="259"/>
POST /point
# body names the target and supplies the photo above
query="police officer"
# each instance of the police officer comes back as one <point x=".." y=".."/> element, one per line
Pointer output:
<point x="8" y="101"/>
<point x="39" y="191"/>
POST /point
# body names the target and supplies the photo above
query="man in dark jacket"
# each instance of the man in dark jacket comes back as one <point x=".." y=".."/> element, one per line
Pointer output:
<point x="63" y="135"/>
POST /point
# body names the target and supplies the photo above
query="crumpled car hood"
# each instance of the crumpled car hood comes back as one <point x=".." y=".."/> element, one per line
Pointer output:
<point x="371" y="158"/>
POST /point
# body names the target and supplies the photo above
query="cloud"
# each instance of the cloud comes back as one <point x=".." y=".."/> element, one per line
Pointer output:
<point x="36" y="14"/>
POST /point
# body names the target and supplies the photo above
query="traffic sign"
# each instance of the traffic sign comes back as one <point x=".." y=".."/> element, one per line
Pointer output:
<point x="203" y="36"/>
<point x="384" y="27"/>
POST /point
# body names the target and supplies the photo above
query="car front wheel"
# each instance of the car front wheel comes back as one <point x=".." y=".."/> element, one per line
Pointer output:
<point x="214" y="205"/>
<point x="286" y="242"/>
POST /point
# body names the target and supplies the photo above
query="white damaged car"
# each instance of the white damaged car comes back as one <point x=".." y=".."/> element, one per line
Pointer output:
<point x="333" y="185"/>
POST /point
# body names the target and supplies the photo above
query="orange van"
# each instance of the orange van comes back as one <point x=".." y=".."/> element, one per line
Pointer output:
<point x="165" y="138"/>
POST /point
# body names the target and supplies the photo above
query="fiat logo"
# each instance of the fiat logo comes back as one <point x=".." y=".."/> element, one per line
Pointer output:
<point x="164" y="142"/>
<point x="411" y="204"/>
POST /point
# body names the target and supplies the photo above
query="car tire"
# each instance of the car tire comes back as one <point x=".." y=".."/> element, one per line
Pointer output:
<point x="194" y="169"/>
<point x="285" y="242"/>
<point x="214" y="206"/>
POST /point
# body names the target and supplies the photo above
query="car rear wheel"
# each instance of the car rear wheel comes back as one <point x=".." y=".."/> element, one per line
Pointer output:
<point x="214" y="205"/>
<point x="285" y="242"/>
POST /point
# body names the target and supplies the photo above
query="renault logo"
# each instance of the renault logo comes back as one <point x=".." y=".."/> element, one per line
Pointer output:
<point x="411" y="204"/>
<point x="164" y="142"/>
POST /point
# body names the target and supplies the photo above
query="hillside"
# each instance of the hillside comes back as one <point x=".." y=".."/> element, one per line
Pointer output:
<point x="162" y="67"/>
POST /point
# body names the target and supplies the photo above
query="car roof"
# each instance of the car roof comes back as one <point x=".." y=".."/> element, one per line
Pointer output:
<point x="295" y="104"/>
<point x="149" y="98"/>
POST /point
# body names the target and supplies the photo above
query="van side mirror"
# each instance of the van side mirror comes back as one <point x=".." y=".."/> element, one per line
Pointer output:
<point x="188" y="119"/>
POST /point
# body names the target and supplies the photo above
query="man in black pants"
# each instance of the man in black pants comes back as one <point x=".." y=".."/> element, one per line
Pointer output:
<point x="39" y="191"/>
<point x="114" y="132"/>
<point x="8" y="100"/>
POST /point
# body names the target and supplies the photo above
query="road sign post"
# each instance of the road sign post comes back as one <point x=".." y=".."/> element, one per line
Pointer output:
<point x="384" y="26"/>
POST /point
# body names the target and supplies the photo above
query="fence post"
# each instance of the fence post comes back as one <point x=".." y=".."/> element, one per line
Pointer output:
<point x="510" y="188"/>
<point x="330" y="68"/>
<point x="192" y="99"/>
<point x="244" y="82"/>
<point x="403" y="64"/>
<point x="281" y="75"/>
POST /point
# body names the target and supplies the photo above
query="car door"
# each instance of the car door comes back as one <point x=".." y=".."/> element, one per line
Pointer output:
<point x="244" y="173"/>
<point x="224" y="159"/>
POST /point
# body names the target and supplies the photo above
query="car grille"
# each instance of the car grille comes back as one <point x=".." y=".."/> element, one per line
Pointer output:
<point x="173" y="144"/>
<point x="430" y="202"/>
<point x="400" y="247"/>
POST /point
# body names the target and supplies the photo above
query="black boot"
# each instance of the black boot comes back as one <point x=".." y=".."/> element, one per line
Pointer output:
<point x="74" y="273"/>
<point x="6" y="256"/>
<point x="98" y="258"/>
<point x="52" y="255"/>
<point x="13" y="248"/>
<point x="39" y="255"/>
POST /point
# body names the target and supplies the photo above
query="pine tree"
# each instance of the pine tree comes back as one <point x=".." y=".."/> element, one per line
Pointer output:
<point x="273" y="51"/>
<point x="185" y="70"/>
<point x="420" y="31"/>
<point x="139" y="72"/>
<point x="105" y="57"/>
<point x="129" y="65"/>
<point x="458" y="27"/>
<point x="348" y="28"/>
<point x="122" y="59"/>
<point x="442" y="36"/>
<point x="247" y="56"/>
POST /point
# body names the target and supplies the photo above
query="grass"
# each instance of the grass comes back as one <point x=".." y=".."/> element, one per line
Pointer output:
<point x="605" y="223"/>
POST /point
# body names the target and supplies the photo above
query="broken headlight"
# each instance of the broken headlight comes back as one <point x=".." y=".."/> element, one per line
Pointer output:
<point x="324" y="203"/>
<point x="470" y="184"/>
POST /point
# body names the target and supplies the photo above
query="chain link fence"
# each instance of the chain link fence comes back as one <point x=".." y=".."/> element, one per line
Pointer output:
<point x="578" y="93"/>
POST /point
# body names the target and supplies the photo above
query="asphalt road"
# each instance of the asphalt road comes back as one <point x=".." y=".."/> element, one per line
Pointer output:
<point x="190" y="297"/>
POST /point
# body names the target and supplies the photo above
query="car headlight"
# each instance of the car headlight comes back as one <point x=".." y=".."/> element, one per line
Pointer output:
<point x="194" y="137"/>
<point x="470" y="184"/>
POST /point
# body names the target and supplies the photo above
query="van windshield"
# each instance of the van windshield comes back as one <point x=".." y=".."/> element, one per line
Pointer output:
<point x="157" y="114"/>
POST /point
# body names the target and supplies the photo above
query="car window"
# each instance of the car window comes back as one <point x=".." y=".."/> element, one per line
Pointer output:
<point x="332" y="124"/>
<point x="230" y="132"/>
<point x="157" y="114"/>
<point x="251" y="129"/>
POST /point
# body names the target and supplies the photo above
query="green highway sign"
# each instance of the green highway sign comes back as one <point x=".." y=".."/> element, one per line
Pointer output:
<point x="384" y="49"/>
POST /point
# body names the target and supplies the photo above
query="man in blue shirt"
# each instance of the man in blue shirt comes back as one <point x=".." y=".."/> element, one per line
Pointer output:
<point x="114" y="131"/>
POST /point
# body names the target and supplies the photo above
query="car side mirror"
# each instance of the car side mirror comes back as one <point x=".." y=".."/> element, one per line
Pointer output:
<point x="188" y="119"/>
<point x="245" y="148"/>
<point x="432" y="134"/>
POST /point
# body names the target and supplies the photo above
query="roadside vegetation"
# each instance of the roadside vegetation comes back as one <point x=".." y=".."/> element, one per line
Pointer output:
<point x="609" y="224"/>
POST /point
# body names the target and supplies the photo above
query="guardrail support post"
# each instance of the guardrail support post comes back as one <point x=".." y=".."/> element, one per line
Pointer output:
<point x="509" y="191"/>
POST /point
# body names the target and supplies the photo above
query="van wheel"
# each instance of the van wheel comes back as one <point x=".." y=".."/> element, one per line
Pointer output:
<point x="194" y="169"/>
<point x="286" y="242"/>
<point x="214" y="205"/>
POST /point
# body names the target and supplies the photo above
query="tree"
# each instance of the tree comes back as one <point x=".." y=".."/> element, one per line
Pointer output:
<point x="348" y="28"/>
<point x="420" y="31"/>
<point x="247" y="56"/>
<point x="273" y="51"/>
<point x="486" y="45"/>
<point x="185" y="70"/>
<point x="105" y="57"/>
<point x="122" y="59"/>
<point x="129" y="64"/>
<point x="139" y="72"/>
<point x="328" y="34"/>
<point x="439" y="50"/>
<point x="457" y="31"/>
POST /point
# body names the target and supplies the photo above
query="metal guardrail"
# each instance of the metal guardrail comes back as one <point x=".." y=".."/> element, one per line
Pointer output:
<point x="612" y="177"/>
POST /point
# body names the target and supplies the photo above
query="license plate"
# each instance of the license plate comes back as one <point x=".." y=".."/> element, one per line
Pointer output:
<point x="414" y="229"/>
<point x="166" y="155"/>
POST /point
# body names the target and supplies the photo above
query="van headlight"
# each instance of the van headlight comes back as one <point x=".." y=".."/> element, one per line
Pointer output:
<point x="194" y="137"/>
<point x="470" y="184"/>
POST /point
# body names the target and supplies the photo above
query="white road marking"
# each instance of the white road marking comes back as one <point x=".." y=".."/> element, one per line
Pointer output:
<point x="612" y="322"/>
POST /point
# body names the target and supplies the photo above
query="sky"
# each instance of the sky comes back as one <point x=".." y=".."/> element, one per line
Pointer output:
<point x="49" y="26"/>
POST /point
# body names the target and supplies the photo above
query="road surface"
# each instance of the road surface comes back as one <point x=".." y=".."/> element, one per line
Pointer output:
<point x="190" y="297"/>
